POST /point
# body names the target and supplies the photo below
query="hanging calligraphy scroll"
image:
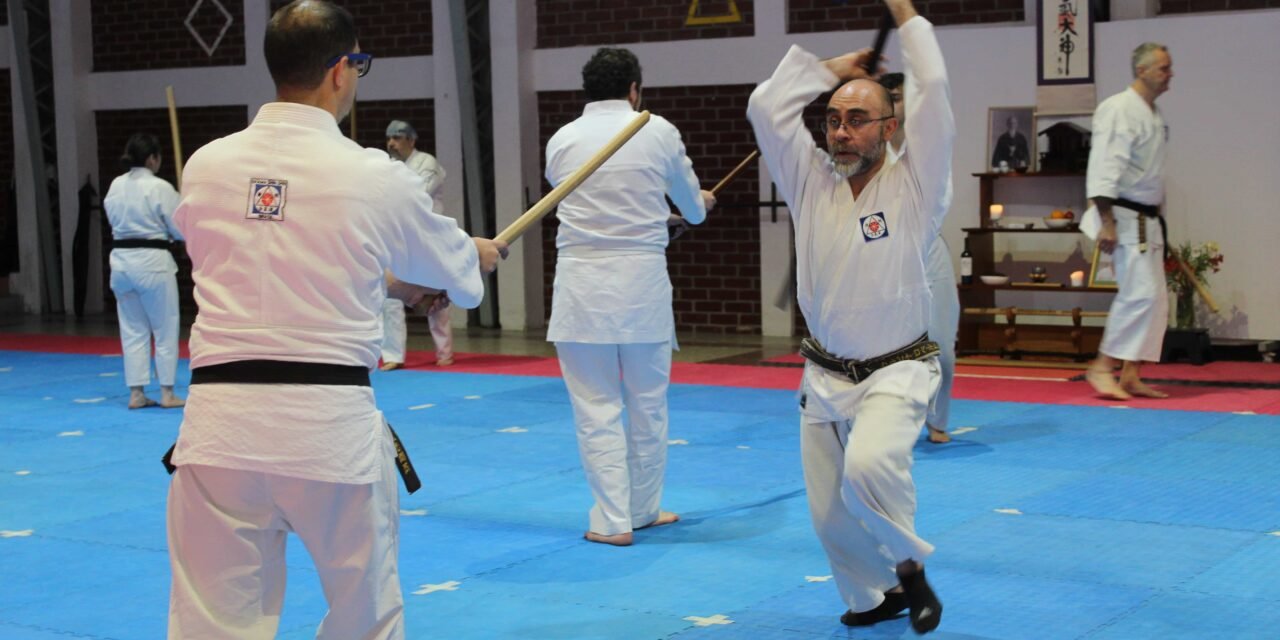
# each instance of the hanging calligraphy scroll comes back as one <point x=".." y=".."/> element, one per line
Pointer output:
<point x="1064" y="34"/>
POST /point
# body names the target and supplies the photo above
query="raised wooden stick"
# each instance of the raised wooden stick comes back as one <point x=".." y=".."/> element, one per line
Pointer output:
<point x="549" y="201"/>
<point x="1195" y="282"/>
<point x="173" y="131"/>
<point x="734" y="173"/>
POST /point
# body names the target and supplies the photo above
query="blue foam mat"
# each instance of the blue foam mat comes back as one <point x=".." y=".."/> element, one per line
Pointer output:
<point x="1127" y="524"/>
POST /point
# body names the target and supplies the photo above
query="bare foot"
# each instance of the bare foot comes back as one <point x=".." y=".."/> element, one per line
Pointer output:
<point x="938" y="436"/>
<point x="1138" y="388"/>
<point x="664" y="517"/>
<point x="444" y="362"/>
<point x="1105" y="384"/>
<point x="391" y="366"/>
<point x="617" y="540"/>
<point x="141" y="402"/>
<point x="172" y="402"/>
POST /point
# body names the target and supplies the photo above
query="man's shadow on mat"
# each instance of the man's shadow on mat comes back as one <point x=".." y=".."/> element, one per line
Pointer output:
<point x="957" y="448"/>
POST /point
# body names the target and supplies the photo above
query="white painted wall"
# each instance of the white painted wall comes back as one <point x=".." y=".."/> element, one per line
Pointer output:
<point x="1223" y="181"/>
<point x="1224" y="150"/>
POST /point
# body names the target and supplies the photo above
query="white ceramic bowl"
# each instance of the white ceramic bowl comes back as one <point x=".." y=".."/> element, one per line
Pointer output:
<point x="1058" y="223"/>
<point x="994" y="280"/>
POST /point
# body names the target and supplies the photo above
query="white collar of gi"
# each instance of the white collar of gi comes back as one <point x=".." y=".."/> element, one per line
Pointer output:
<point x="299" y="114"/>
<point x="607" y="105"/>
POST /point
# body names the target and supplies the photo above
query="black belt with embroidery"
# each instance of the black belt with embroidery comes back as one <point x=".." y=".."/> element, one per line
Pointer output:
<point x="281" y="372"/>
<point x="1149" y="211"/>
<point x="139" y="243"/>
<point x="859" y="370"/>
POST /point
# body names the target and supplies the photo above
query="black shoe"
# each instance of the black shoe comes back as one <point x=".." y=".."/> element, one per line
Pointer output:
<point x="926" y="611"/>
<point x="894" y="603"/>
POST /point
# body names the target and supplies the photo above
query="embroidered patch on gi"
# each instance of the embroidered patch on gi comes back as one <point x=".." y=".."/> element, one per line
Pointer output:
<point x="874" y="227"/>
<point x="267" y="198"/>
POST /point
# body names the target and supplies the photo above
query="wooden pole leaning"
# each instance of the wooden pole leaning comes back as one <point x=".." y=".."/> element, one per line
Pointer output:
<point x="1195" y="282"/>
<point x="173" y="131"/>
<point x="549" y="201"/>
<point x="735" y="171"/>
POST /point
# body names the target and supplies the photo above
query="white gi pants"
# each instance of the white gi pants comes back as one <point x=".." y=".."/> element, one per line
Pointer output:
<point x="441" y="333"/>
<point x="944" y="322"/>
<point x="147" y="305"/>
<point x="858" y="477"/>
<point x="227" y="531"/>
<point x="1140" y="311"/>
<point x="624" y="464"/>
<point x="394" y="332"/>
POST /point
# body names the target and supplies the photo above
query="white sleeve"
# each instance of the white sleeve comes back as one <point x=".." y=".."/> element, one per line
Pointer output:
<point x="776" y="112"/>
<point x="426" y="248"/>
<point x="931" y="125"/>
<point x="433" y="173"/>
<point x="167" y="200"/>
<point x="682" y="183"/>
<point x="1111" y="143"/>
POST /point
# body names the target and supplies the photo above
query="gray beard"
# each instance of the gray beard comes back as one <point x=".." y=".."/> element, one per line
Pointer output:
<point x="858" y="167"/>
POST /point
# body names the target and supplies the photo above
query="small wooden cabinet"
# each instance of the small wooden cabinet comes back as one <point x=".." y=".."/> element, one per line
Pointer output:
<point x="980" y="332"/>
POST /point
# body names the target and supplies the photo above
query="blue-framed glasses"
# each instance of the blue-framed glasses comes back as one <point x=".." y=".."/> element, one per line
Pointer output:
<point x="363" y="62"/>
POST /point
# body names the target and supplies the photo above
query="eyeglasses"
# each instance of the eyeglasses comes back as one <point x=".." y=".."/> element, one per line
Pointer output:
<point x="363" y="62"/>
<point x="834" y="123"/>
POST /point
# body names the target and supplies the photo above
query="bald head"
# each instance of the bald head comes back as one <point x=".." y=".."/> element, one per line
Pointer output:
<point x="863" y="94"/>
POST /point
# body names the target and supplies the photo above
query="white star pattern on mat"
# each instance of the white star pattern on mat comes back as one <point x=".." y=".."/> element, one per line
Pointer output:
<point x="706" y="622"/>
<point x="743" y="446"/>
<point x="1245" y="413"/>
<point x="816" y="578"/>
<point x="451" y="585"/>
<point x="677" y="442"/>
<point x="471" y="397"/>
<point x="513" y="430"/>
<point x="16" y="534"/>
<point x="956" y="432"/>
<point x="109" y="374"/>
<point x="6" y="369"/>
<point x="67" y="434"/>
<point x="1274" y="533"/>
<point x="23" y="472"/>
<point x="1009" y="512"/>
<point x="1118" y="406"/>
<point x="47" y="398"/>
<point x="413" y="512"/>
<point x="417" y="407"/>
<point x="88" y="400"/>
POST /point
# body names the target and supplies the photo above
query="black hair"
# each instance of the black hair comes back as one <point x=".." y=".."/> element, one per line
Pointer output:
<point x="302" y="37"/>
<point x="893" y="80"/>
<point x="140" y="147"/>
<point x="609" y="74"/>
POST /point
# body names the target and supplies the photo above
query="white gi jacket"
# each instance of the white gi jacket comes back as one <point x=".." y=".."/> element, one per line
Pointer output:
<point x="1126" y="160"/>
<point x="426" y="166"/>
<point x="140" y="206"/>
<point x="620" y="211"/>
<point x="861" y="278"/>
<point x="290" y="227"/>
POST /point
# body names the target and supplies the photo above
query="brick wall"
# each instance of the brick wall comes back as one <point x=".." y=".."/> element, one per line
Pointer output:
<point x="8" y="217"/>
<point x="372" y="117"/>
<point x="150" y="34"/>
<point x="1168" y="7"/>
<point x="808" y="16"/>
<point x="714" y="267"/>
<point x="200" y="125"/>
<point x="388" y="28"/>
<point x="573" y="23"/>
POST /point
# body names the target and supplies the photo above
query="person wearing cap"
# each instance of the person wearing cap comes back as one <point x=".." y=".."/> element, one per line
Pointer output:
<point x="291" y="227"/>
<point x="402" y="140"/>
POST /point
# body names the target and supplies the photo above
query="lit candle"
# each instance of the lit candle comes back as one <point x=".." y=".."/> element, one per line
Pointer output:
<point x="997" y="211"/>
<point x="1077" y="278"/>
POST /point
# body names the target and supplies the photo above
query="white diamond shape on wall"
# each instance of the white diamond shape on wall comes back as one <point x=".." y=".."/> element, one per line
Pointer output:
<point x="209" y="48"/>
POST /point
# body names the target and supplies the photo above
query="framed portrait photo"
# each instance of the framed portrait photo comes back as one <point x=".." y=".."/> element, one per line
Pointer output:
<point x="1102" y="269"/>
<point x="1010" y="139"/>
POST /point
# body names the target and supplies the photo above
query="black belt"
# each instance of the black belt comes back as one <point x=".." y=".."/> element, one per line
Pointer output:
<point x="1149" y="211"/>
<point x="139" y="243"/>
<point x="859" y="370"/>
<point x="281" y="372"/>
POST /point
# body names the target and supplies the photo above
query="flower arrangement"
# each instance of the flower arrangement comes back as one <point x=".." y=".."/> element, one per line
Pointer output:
<point x="1202" y="260"/>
